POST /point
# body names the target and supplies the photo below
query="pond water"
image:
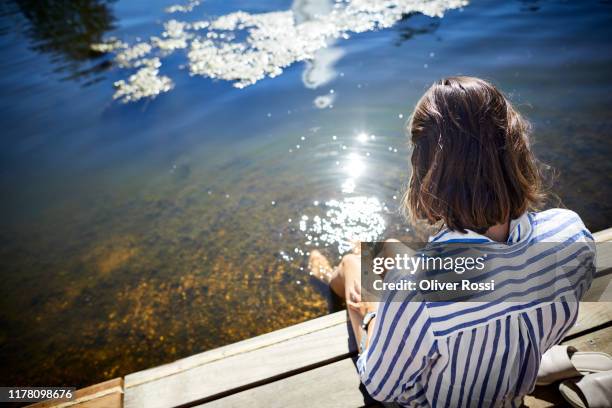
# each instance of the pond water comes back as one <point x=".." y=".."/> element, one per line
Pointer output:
<point x="135" y="233"/>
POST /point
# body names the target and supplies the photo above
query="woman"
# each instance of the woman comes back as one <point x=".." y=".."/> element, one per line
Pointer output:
<point x="474" y="172"/>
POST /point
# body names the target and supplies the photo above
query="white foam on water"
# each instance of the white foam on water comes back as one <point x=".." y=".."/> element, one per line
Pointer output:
<point x="247" y="47"/>
<point x="183" y="8"/>
<point x="324" y="101"/>
<point x="146" y="82"/>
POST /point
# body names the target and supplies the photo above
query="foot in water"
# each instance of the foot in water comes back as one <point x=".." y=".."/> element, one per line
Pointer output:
<point x="320" y="267"/>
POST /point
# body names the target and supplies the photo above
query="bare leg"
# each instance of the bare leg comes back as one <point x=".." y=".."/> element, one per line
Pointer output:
<point x="321" y="269"/>
<point x="343" y="278"/>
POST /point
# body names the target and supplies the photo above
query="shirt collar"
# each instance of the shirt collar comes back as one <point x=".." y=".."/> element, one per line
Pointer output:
<point x="520" y="229"/>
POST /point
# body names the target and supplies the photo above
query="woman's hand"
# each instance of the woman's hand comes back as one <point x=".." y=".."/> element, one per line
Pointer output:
<point x="353" y="301"/>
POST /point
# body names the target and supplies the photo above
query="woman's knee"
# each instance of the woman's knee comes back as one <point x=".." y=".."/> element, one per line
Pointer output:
<point x="350" y="259"/>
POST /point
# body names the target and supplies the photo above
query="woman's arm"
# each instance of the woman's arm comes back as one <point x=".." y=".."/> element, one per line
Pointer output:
<point x="401" y="345"/>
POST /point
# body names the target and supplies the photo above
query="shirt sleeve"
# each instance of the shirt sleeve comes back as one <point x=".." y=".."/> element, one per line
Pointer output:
<point x="582" y="244"/>
<point x="401" y="349"/>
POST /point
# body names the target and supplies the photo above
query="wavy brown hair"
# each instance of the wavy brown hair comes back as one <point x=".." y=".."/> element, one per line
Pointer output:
<point x="472" y="166"/>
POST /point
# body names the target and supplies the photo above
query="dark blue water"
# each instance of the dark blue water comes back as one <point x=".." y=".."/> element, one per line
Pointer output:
<point x="135" y="234"/>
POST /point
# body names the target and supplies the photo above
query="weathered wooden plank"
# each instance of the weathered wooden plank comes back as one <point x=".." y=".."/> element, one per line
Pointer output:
<point x="262" y="364"/>
<point x="240" y="347"/>
<point x="258" y="365"/>
<point x="601" y="288"/>
<point x="114" y="400"/>
<point x="342" y="379"/>
<point x="549" y="396"/>
<point x="603" y="262"/>
<point x="602" y="236"/>
<point x="591" y="315"/>
<point x="603" y="258"/>
<point x="335" y="385"/>
<point x="108" y="394"/>
<point x="601" y="341"/>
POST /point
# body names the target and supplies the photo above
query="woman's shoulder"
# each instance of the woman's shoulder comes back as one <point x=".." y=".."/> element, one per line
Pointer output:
<point x="559" y="223"/>
<point x="556" y="214"/>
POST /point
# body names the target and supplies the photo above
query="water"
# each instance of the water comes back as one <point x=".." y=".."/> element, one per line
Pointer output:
<point x="137" y="233"/>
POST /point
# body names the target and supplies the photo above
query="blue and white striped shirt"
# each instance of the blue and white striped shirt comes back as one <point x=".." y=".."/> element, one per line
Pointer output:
<point x="479" y="354"/>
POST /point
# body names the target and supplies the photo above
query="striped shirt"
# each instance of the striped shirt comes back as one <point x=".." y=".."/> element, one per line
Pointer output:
<point x="481" y="354"/>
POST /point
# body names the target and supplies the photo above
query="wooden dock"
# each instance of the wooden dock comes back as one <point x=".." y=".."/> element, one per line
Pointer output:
<point x="309" y="364"/>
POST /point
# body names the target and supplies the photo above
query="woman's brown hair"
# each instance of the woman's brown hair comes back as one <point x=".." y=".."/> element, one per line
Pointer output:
<point x="472" y="166"/>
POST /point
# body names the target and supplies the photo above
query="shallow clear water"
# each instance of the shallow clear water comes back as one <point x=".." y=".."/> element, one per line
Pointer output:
<point x="135" y="234"/>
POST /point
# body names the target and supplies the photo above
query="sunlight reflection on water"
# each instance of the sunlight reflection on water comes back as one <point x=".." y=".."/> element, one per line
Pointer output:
<point x="350" y="219"/>
<point x="354" y="217"/>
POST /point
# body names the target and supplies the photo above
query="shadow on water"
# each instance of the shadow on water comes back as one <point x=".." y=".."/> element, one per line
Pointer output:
<point x="65" y="30"/>
<point x="530" y="5"/>
<point x="413" y="25"/>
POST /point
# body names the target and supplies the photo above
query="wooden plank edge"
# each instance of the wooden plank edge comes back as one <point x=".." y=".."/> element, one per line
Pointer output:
<point x="603" y="236"/>
<point x="333" y="385"/>
<point x="241" y="347"/>
<point x="270" y="380"/>
<point x="220" y="377"/>
<point x="600" y="340"/>
<point x="591" y="316"/>
<point x="87" y="394"/>
<point x="549" y="396"/>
